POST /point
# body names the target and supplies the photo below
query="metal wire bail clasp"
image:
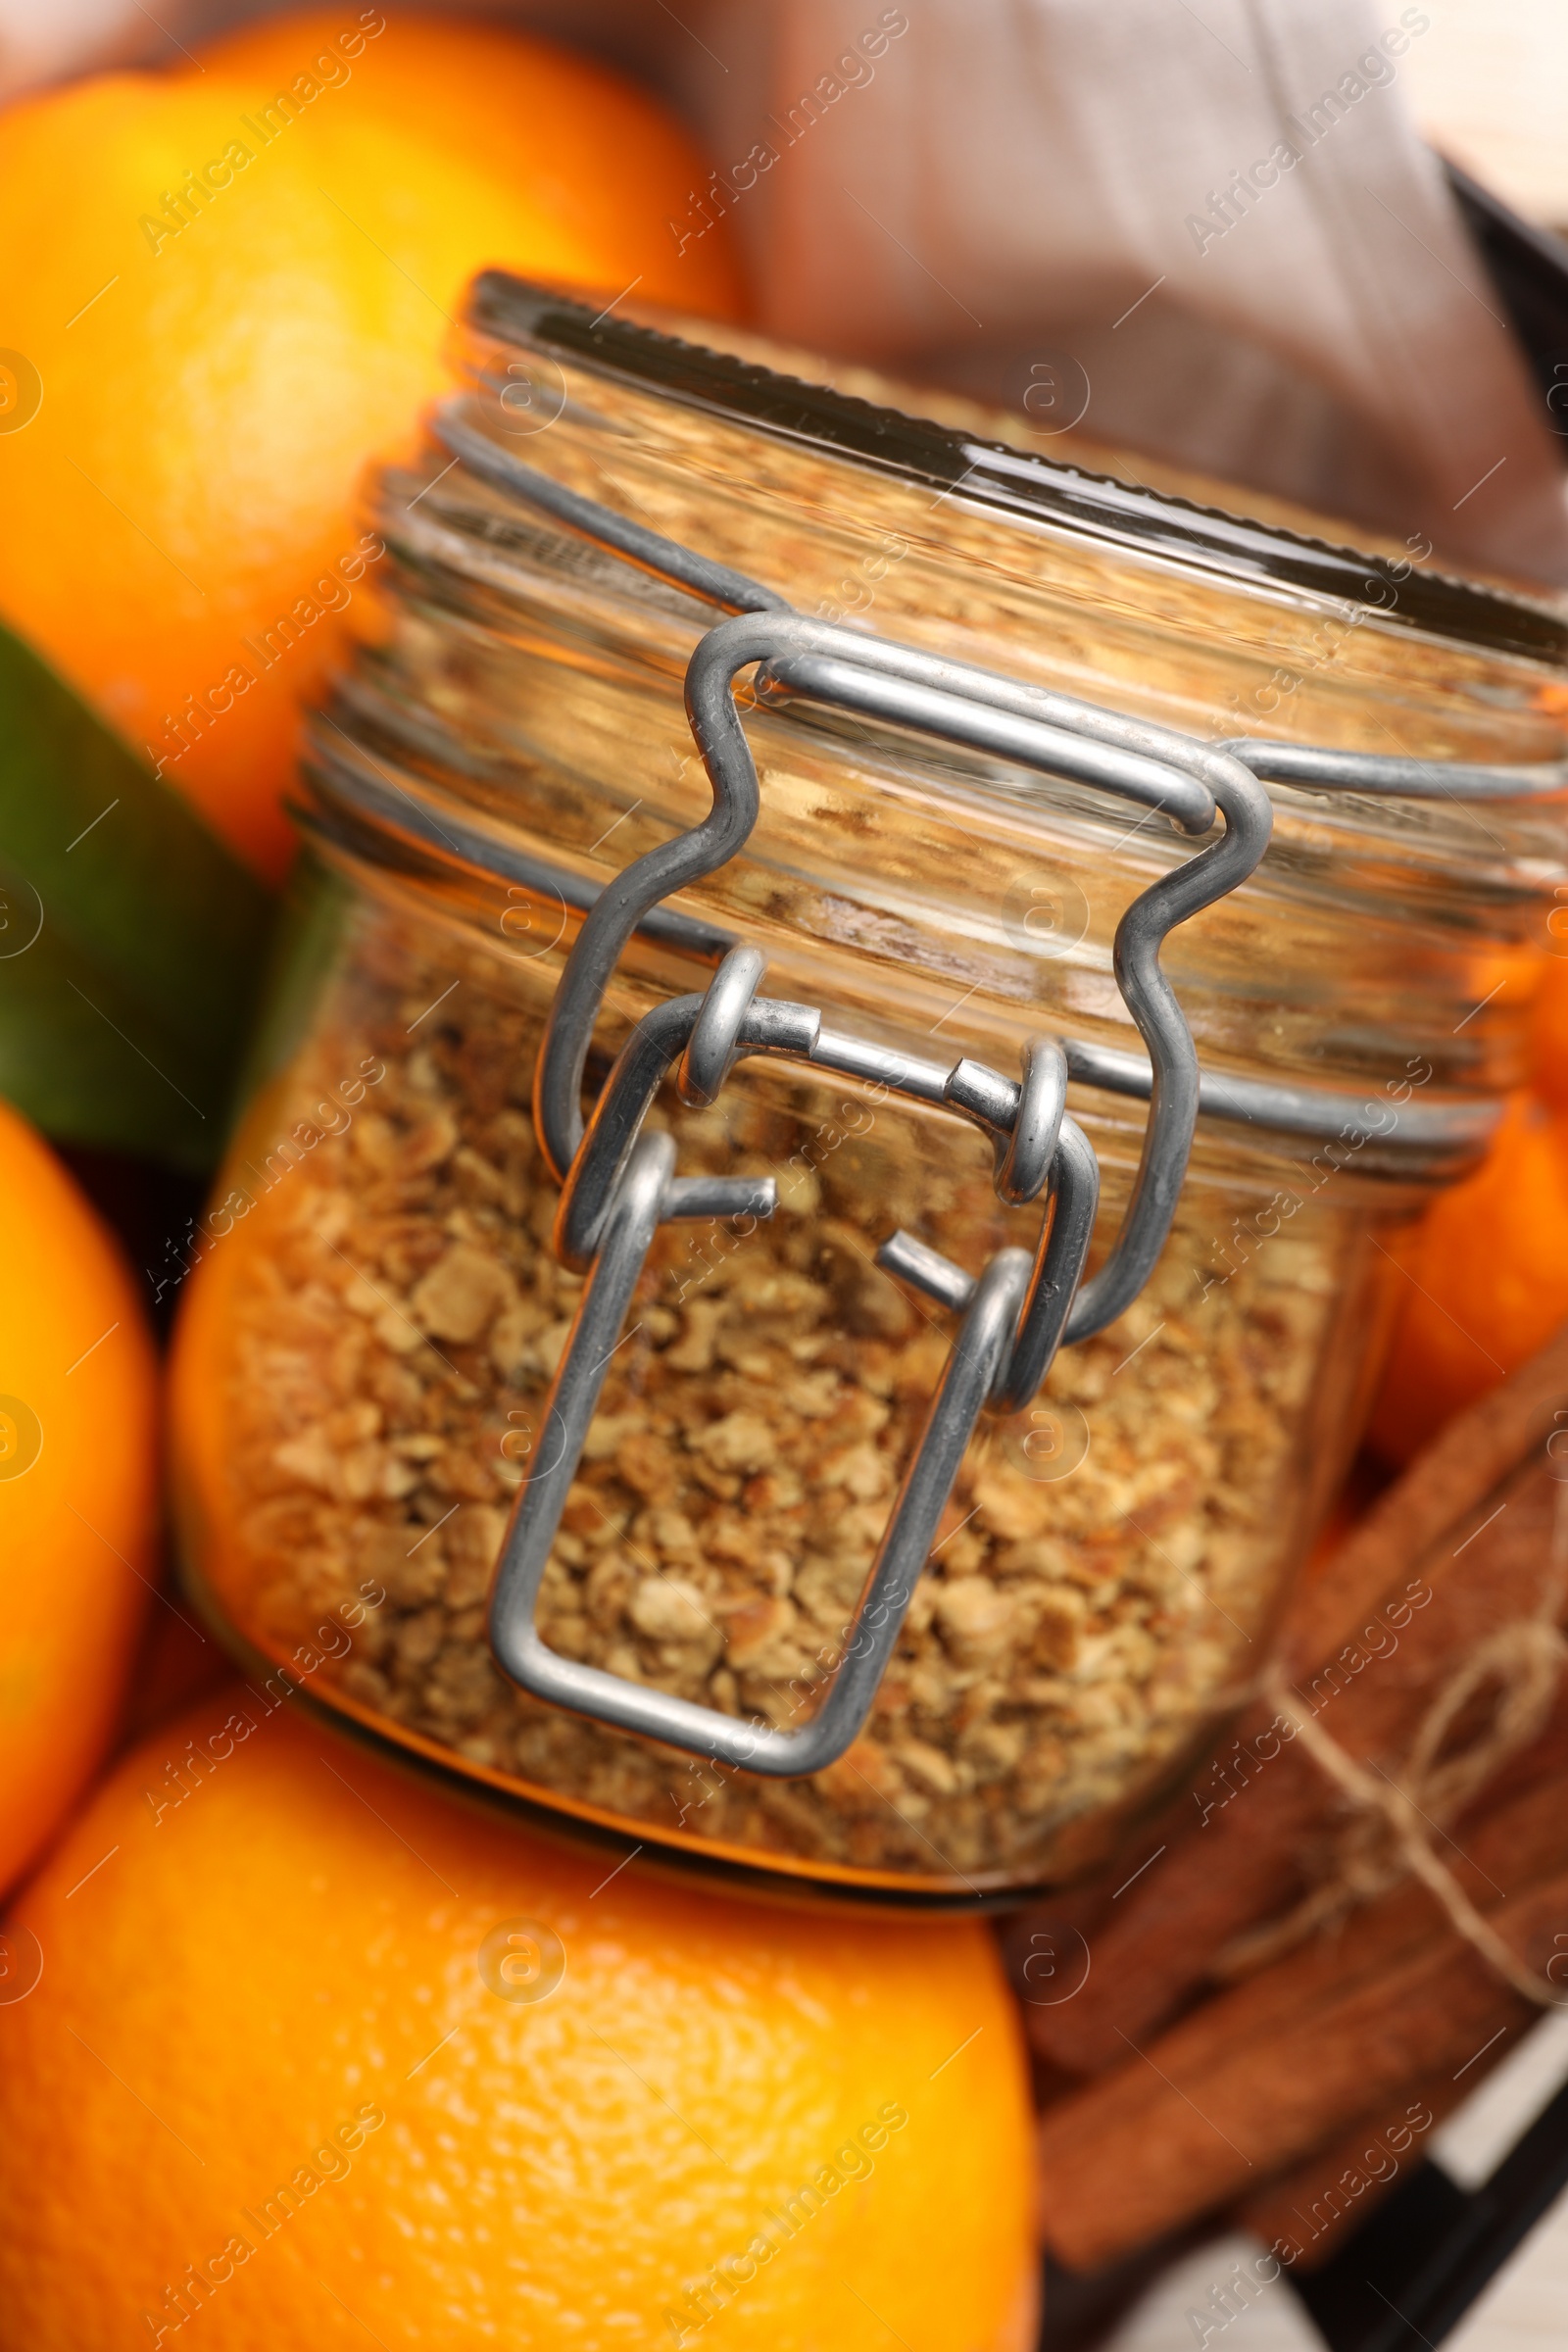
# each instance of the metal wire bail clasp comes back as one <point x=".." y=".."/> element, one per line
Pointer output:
<point x="619" y="1184"/>
<point x="623" y="1186"/>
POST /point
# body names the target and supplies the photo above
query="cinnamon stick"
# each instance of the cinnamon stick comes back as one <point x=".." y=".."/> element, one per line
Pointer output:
<point x="1473" y="1454"/>
<point x="1515" y="1847"/>
<point x="1208" y="2112"/>
<point x="1264" y="1811"/>
<point x="1507" y="1854"/>
<point x="1304" y="2214"/>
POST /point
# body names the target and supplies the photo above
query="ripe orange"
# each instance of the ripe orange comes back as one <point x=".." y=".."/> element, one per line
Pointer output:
<point x="1548" y="1035"/>
<point x="330" y="2059"/>
<point x="231" y="289"/>
<point x="1485" y="1277"/>
<point x="78" y="1463"/>
<point x="480" y="88"/>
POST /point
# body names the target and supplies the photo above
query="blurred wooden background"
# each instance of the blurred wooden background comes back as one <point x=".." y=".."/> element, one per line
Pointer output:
<point x="1490" y="84"/>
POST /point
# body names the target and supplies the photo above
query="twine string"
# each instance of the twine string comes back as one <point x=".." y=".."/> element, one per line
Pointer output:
<point x="1389" y="1836"/>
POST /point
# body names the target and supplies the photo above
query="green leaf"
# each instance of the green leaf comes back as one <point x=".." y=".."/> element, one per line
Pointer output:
<point x="132" y="941"/>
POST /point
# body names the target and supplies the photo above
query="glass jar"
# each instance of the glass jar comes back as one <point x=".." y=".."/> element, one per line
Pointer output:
<point x="370" y="1336"/>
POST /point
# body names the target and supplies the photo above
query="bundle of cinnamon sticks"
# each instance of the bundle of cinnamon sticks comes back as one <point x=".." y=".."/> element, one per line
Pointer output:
<point x="1276" y="2010"/>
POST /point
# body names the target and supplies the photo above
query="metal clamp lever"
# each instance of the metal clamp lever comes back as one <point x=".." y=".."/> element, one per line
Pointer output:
<point x="639" y="1205"/>
<point x="622" y="1186"/>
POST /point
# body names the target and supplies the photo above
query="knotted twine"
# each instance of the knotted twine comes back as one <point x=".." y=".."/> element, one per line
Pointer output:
<point x="1388" y="1834"/>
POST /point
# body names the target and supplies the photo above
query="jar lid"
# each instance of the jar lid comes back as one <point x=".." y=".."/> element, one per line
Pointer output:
<point x="1025" y="484"/>
<point x="564" y="348"/>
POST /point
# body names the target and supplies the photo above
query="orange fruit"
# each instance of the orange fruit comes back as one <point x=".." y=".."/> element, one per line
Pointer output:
<point x="78" y="1465"/>
<point x="331" y="2059"/>
<point x="1486" y="1281"/>
<point x="1548" y="1035"/>
<point x="478" y="87"/>
<point x="241" y="300"/>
